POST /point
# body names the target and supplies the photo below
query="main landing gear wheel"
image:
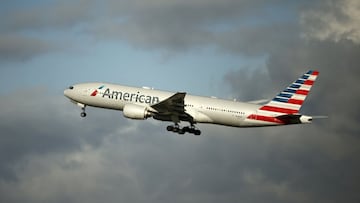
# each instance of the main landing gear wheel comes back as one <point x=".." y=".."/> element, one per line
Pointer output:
<point x="181" y="131"/>
<point x="170" y="128"/>
<point x="192" y="130"/>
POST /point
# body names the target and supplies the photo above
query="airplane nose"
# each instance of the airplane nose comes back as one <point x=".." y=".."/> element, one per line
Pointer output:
<point x="67" y="91"/>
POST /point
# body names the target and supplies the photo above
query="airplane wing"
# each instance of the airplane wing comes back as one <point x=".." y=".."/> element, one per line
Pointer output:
<point x="174" y="103"/>
<point x="172" y="109"/>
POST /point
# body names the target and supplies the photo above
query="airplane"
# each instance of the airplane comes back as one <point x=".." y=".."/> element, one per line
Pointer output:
<point x="142" y="102"/>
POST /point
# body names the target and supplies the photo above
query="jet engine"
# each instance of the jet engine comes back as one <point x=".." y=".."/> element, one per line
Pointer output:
<point x="134" y="111"/>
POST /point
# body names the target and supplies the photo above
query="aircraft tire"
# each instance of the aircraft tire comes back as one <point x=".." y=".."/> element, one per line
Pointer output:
<point x="176" y="129"/>
<point x="192" y="130"/>
<point x="197" y="132"/>
<point x="83" y="114"/>
<point x="170" y="128"/>
<point x="186" y="129"/>
<point x="181" y="131"/>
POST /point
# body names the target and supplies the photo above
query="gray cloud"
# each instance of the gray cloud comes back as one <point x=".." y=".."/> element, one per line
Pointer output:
<point x="37" y="126"/>
<point x="17" y="41"/>
<point x="333" y="20"/>
<point x="51" y="15"/>
<point x="249" y="84"/>
<point x="50" y="154"/>
<point x="171" y="26"/>
<point x="336" y="56"/>
<point x="180" y="25"/>
<point x="13" y="48"/>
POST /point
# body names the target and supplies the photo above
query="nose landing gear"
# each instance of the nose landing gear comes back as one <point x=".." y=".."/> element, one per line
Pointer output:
<point x="83" y="106"/>
<point x="83" y="114"/>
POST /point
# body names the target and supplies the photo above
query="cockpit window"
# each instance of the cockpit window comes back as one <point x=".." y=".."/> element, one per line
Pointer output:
<point x="71" y="87"/>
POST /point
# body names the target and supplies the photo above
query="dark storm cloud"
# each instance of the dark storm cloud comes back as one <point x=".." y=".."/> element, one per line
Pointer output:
<point x="328" y="152"/>
<point x="49" y="154"/>
<point x="32" y="122"/>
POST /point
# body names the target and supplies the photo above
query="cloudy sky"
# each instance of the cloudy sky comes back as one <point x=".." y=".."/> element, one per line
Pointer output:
<point x="244" y="49"/>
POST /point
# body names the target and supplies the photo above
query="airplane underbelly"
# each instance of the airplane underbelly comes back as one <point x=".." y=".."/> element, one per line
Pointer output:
<point x="257" y="120"/>
<point x="104" y="103"/>
<point x="233" y="120"/>
<point x="227" y="119"/>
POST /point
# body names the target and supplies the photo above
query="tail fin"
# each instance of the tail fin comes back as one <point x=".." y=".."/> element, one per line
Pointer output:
<point x="290" y="100"/>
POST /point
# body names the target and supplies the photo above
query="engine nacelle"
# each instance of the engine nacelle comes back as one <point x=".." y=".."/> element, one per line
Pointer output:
<point x="134" y="111"/>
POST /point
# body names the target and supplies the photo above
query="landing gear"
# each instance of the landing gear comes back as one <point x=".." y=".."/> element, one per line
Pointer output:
<point x="82" y="114"/>
<point x="191" y="129"/>
<point x="188" y="129"/>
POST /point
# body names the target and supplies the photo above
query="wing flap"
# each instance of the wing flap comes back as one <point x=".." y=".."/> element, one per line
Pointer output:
<point x="172" y="109"/>
<point x="175" y="103"/>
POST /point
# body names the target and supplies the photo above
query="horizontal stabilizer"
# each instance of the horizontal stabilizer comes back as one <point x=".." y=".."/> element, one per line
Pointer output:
<point x="290" y="118"/>
<point x="298" y="118"/>
<point x="260" y="101"/>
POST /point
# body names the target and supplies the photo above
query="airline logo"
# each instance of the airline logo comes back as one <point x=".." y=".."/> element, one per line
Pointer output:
<point x="130" y="97"/>
<point x="289" y="101"/>
<point x="126" y="96"/>
<point x="94" y="93"/>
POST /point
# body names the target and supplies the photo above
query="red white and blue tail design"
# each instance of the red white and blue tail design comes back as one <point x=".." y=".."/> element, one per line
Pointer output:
<point x="291" y="99"/>
<point x="284" y="108"/>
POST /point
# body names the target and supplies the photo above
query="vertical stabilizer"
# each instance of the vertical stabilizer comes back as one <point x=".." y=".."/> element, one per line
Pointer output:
<point x="290" y="100"/>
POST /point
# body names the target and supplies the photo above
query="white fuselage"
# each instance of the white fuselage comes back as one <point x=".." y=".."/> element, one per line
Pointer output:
<point x="142" y="103"/>
<point x="202" y="109"/>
